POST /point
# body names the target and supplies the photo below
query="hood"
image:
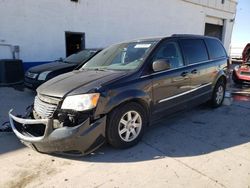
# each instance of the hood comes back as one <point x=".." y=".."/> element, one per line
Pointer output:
<point x="82" y="81"/>
<point x="54" y="66"/>
<point x="246" y="53"/>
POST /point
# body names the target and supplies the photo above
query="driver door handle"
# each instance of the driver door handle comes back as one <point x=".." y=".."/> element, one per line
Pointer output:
<point x="184" y="74"/>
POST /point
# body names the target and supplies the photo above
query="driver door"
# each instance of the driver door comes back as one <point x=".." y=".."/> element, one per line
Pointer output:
<point x="169" y="86"/>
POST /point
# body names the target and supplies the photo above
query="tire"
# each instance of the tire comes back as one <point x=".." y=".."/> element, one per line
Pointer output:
<point x="218" y="93"/>
<point x="123" y="130"/>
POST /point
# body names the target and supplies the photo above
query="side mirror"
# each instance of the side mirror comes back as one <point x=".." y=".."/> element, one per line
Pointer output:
<point x="160" y="65"/>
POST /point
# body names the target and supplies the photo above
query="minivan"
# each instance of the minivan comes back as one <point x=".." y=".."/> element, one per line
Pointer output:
<point x="122" y="90"/>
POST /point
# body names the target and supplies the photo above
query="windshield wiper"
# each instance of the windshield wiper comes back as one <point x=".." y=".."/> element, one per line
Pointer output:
<point x="99" y="69"/>
<point x="94" y="69"/>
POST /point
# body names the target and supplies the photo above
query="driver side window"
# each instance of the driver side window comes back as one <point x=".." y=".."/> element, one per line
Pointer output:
<point x="170" y="52"/>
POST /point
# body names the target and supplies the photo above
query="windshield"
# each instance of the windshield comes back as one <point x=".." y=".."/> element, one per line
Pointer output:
<point x="80" y="56"/>
<point x="124" y="56"/>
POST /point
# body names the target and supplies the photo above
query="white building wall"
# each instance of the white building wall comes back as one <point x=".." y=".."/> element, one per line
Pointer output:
<point x="38" y="27"/>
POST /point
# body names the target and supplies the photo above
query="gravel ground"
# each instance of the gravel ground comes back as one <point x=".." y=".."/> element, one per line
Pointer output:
<point x="201" y="147"/>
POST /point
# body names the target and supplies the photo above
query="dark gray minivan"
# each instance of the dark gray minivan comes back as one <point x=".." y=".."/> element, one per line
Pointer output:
<point x="120" y="91"/>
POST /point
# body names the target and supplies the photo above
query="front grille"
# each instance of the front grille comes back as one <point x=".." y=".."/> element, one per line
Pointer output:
<point x="245" y="73"/>
<point x="43" y="109"/>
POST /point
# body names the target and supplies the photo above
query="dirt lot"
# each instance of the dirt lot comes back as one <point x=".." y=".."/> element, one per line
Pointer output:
<point x="200" y="148"/>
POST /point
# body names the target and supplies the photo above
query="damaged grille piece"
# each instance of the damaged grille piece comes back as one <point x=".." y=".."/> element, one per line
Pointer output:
<point x="43" y="109"/>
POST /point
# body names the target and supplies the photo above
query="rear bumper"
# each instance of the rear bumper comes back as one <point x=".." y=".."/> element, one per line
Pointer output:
<point x="79" y="140"/>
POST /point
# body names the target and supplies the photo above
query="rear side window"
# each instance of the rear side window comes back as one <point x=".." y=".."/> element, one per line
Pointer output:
<point x="194" y="50"/>
<point x="215" y="49"/>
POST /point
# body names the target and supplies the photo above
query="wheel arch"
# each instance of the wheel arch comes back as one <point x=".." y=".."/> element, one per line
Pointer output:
<point x="131" y="96"/>
<point x="221" y="75"/>
<point x="139" y="101"/>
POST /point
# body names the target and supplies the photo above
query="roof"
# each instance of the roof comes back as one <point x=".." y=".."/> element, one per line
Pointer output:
<point x="192" y="36"/>
<point x="172" y="36"/>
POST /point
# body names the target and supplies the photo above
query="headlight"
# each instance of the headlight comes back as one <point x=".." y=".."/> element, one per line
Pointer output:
<point x="43" y="75"/>
<point x="81" y="102"/>
<point x="31" y="75"/>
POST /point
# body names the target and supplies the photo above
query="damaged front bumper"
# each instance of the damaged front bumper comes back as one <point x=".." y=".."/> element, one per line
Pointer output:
<point x="78" y="140"/>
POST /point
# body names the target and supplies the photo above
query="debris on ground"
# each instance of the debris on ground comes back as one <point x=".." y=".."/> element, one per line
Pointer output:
<point x="5" y="127"/>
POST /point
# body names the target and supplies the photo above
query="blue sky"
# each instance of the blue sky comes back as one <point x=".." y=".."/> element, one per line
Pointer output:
<point x="241" y="31"/>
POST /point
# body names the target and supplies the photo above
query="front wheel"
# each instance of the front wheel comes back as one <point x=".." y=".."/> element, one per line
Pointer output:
<point x="218" y="93"/>
<point x="126" y="125"/>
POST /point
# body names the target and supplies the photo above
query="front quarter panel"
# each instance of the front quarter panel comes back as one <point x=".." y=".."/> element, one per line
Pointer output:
<point x="139" y="89"/>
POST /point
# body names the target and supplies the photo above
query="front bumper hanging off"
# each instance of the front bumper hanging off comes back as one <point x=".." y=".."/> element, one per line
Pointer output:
<point x="79" y="140"/>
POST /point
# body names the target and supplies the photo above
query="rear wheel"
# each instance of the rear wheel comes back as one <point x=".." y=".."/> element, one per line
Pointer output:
<point x="126" y="125"/>
<point x="218" y="93"/>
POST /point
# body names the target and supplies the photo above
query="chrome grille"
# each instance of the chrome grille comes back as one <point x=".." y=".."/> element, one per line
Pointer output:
<point x="43" y="109"/>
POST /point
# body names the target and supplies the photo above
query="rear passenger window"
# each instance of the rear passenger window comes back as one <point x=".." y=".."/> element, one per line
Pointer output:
<point x="194" y="50"/>
<point x="215" y="49"/>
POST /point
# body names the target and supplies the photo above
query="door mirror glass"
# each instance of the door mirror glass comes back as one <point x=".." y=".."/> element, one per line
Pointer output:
<point x="161" y="65"/>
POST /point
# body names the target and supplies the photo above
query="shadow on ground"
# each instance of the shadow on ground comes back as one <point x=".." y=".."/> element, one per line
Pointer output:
<point x="197" y="132"/>
<point x="9" y="143"/>
<point x="18" y="98"/>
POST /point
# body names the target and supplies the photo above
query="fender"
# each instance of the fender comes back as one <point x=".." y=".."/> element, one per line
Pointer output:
<point x="124" y="96"/>
<point x="220" y="74"/>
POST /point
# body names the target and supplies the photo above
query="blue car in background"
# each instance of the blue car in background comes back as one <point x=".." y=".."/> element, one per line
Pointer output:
<point x="37" y="75"/>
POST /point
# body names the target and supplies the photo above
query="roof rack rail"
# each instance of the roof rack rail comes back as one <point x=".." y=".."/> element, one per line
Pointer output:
<point x="187" y="35"/>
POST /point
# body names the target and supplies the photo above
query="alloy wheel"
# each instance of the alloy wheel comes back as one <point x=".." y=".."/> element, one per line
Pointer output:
<point x="220" y="94"/>
<point x="130" y="126"/>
